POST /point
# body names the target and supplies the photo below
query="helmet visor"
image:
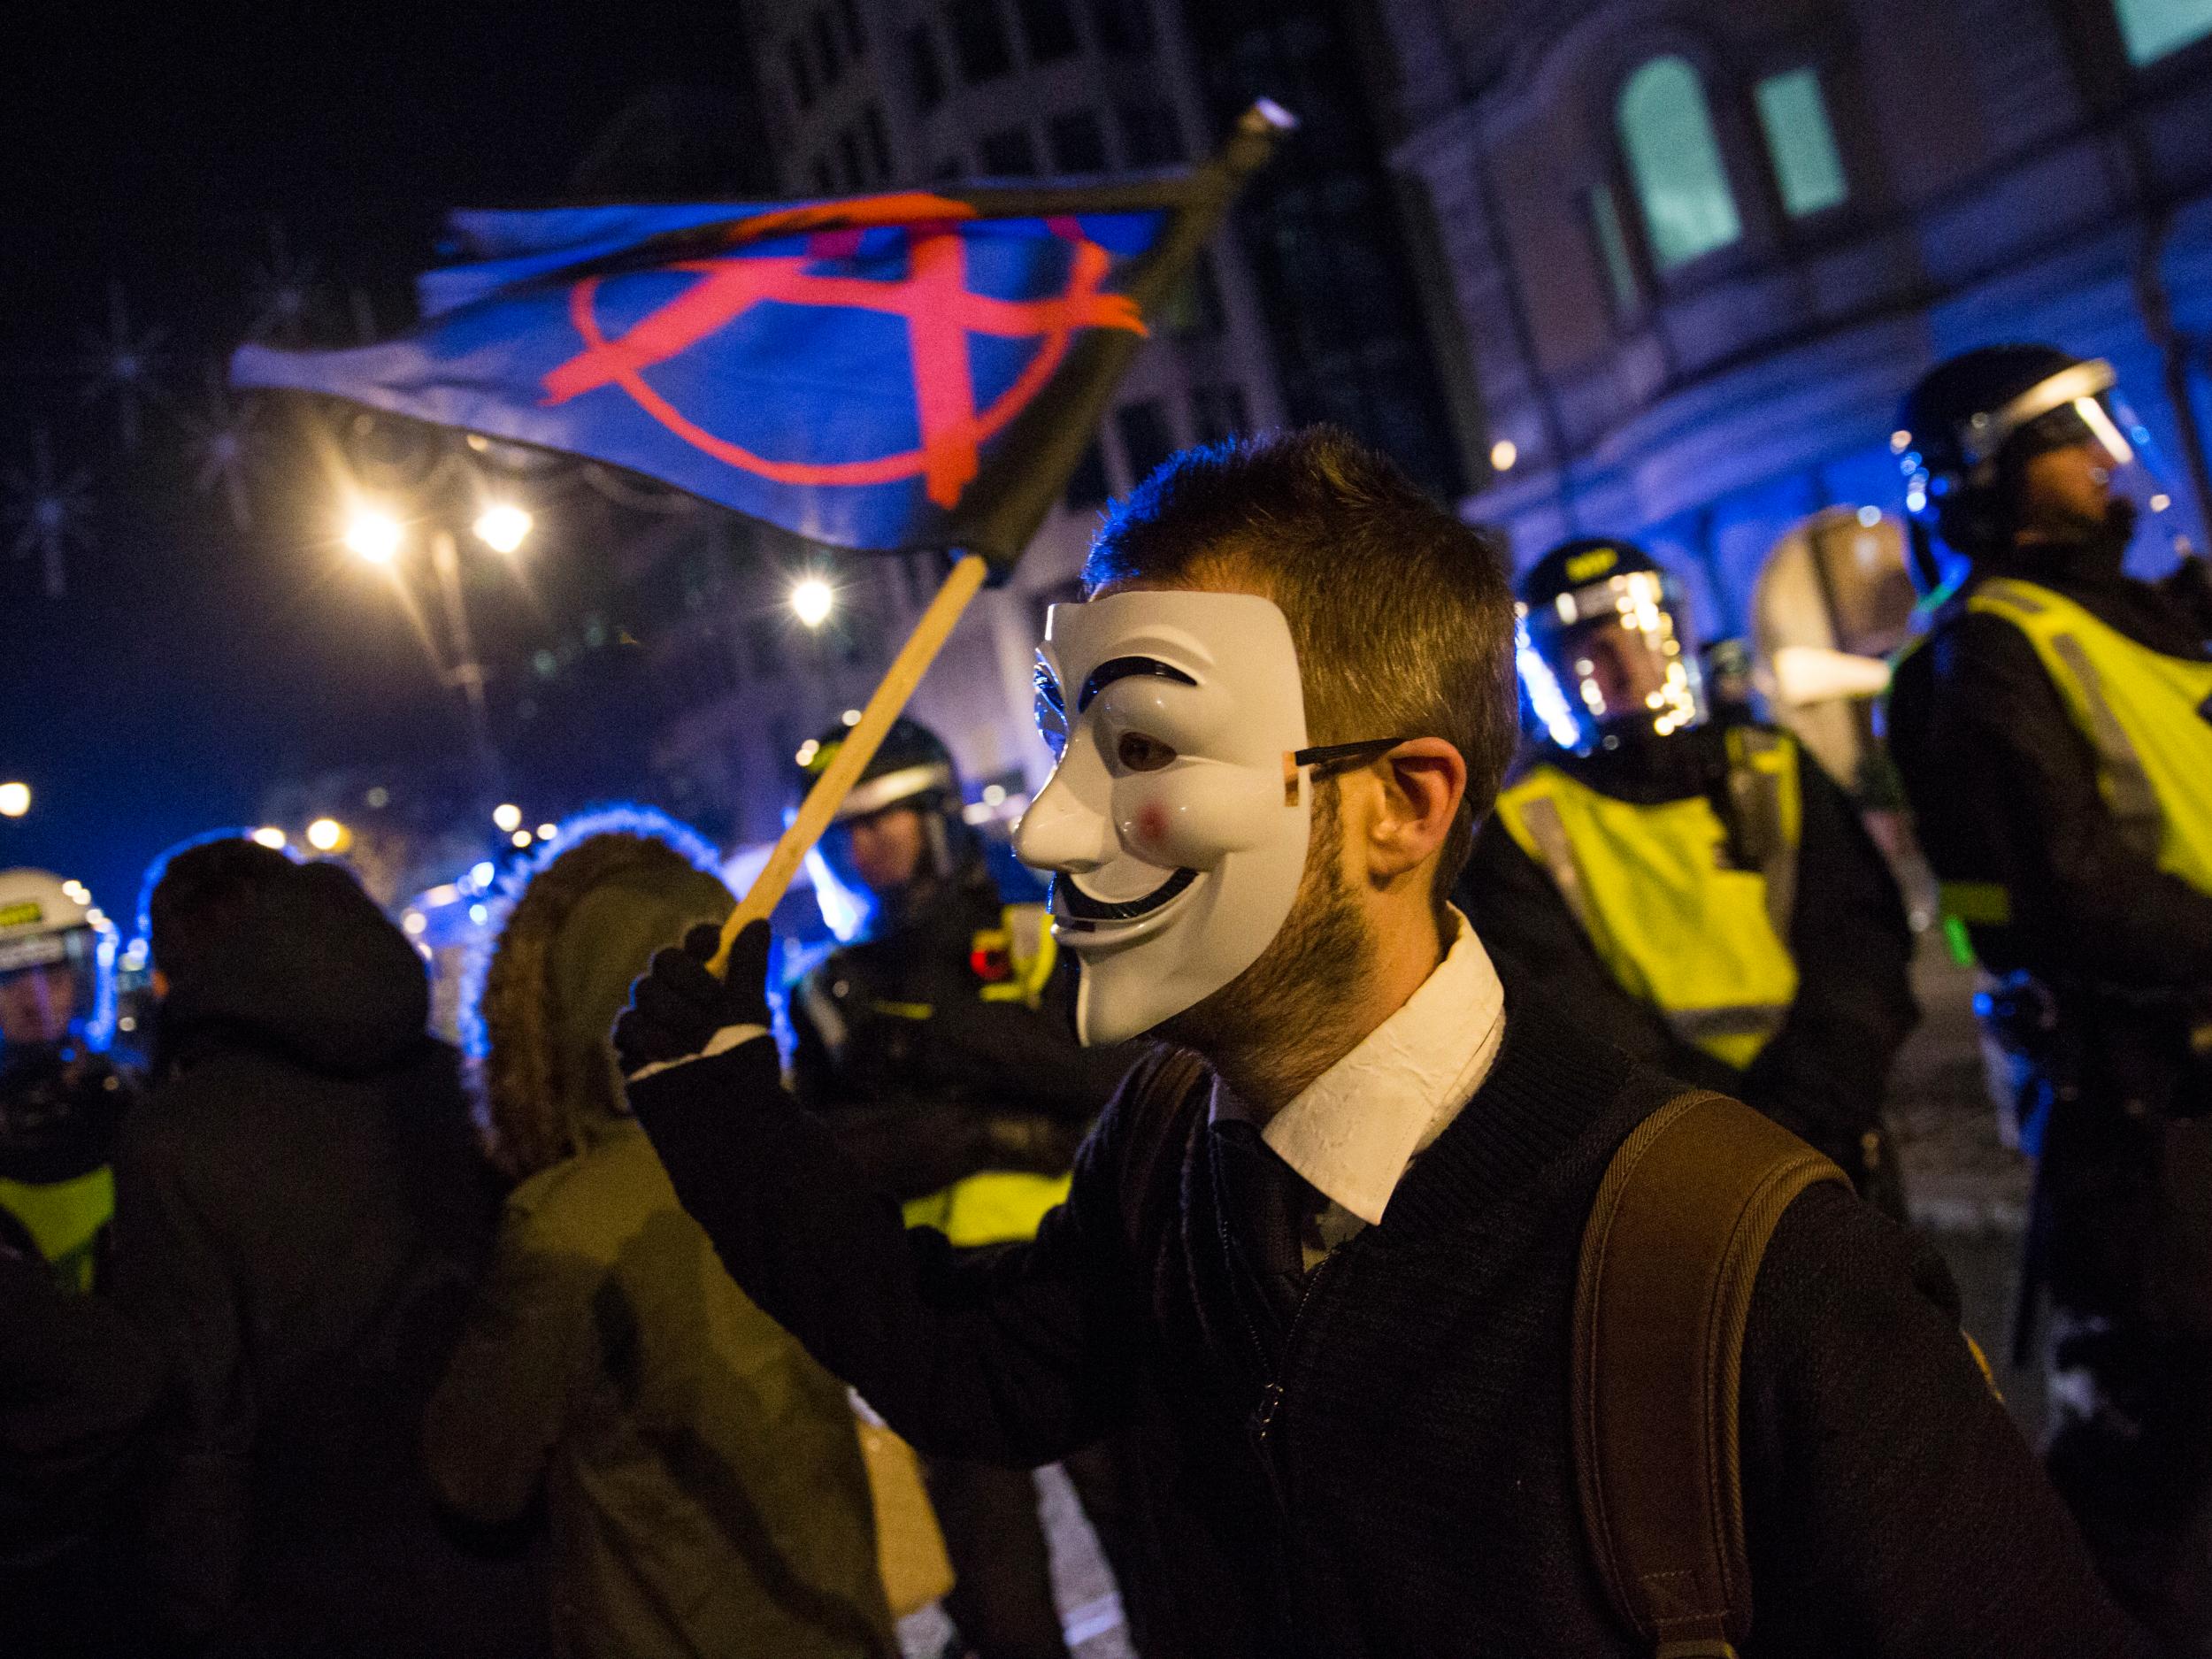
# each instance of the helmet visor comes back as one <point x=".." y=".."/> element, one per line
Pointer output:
<point x="1610" y="660"/>
<point x="2105" y="467"/>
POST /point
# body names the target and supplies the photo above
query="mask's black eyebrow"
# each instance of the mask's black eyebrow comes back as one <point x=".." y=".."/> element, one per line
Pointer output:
<point x="1047" y="687"/>
<point x="1123" y="668"/>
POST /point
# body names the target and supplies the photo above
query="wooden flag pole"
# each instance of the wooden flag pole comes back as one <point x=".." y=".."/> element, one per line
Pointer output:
<point x="858" y="749"/>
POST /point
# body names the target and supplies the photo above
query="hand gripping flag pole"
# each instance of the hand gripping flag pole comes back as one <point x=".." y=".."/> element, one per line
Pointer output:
<point x="1149" y="285"/>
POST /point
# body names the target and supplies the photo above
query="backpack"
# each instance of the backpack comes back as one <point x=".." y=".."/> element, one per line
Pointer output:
<point x="1669" y="1254"/>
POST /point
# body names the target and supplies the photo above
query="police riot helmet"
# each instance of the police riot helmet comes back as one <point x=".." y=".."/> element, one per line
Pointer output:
<point x="1964" y="432"/>
<point x="911" y="768"/>
<point x="50" y="960"/>
<point x="1606" y="652"/>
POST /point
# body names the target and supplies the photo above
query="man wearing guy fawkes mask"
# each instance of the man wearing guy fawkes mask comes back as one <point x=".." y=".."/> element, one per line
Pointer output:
<point x="938" y="1043"/>
<point x="2054" y="733"/>
<point x="1696" y="889"/>
<point x="1320" y="1263"/>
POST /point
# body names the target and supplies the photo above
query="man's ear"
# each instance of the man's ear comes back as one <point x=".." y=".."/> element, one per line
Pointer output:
<point x="1423" y="780"/>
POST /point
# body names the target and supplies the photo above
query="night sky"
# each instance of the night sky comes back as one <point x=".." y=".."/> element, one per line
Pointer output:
<point x="190" y="665"/>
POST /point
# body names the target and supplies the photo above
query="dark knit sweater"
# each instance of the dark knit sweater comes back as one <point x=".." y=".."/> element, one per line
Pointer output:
<point x="1413" y="1491"/>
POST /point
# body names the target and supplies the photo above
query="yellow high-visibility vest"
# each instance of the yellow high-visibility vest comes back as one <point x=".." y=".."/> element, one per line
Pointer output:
<point x="1677" y="924"/>
<point x="2146" y="714"/>
<point x="64" y="1219"/>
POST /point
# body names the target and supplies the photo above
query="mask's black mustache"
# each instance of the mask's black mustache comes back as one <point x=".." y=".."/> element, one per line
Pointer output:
<point x="1067" y="899"/>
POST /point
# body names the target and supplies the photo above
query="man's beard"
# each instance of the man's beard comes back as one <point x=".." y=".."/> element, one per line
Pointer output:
<point x="1299" y="984"/>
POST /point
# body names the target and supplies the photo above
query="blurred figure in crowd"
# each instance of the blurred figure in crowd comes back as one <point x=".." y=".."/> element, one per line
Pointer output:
<point x="702" y="1473"/>
<point x="2053" y="732"/>
<point x="1688" y="882"/>
<point x="302" y="1211"/>
<point x="939" y="1043"/>
<point x="60" y="1100"/>
<point x="78" y="1391"/>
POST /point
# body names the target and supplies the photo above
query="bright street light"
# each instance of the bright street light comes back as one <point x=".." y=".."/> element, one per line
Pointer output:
<point x="547" y="832"/>
<point x="1503" y="454"/>
<point x="15" y="799"/>
<point x="325" y="835"/>
<point x="504" y="526"/>
<point x="812" y="600"/>
<point x="374" y="536"/>
<point x="508" y="816"/>
<point x="271" y="837"/>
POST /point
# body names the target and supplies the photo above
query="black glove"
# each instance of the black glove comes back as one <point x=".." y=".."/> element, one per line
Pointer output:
<point x="678" y="1006"/>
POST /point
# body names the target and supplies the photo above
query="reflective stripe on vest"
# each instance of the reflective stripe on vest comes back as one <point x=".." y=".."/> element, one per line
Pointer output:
<point x="64" y="1219"/>
<point x="1031" y="950"/>
<point x="2144" y="713"/>
<point x="1676" y="924"/>
<point x="995" y="1207"/>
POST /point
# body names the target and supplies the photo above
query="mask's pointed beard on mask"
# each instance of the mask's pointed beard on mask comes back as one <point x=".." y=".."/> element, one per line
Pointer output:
<point x="1295" y="991"/>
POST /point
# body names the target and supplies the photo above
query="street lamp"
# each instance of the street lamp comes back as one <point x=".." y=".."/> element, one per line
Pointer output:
<point x="271" y="837"/>
<point x="373" y="535"/>
<point x="508" y="816"/>
<point x="15" y="799"/>
<point x="502" y="526"/>
<point x="812" y="601"/>
<point x="327" y="836"/>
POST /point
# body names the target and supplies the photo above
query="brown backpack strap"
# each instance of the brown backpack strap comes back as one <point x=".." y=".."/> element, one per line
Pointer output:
<point x="1668" y="1259"/>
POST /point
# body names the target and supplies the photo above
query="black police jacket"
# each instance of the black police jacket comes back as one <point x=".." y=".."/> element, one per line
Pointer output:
<point x="925" y="1076"/>
<point x="2003" y="788"/>
<point x="1823" y="1075"/>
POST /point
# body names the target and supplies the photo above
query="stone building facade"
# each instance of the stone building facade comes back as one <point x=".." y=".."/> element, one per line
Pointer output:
<point x="1699" y="249"/>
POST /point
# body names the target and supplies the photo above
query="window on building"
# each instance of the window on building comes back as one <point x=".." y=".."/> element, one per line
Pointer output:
<point x="1218" y="413"/>
<point x="1146" y="440"/>
<point x="1801" y="143"/>
<point x="826" y="48"/>
<point x="1194" y="309"/>
<point x="1680" y="182"/>
<point x="1087" y="488"/>
<point x="1009" y="153"/>
<point x="979" y="39"/>
<point x="1077" y="142"/>
<point x="1620" y="271"/>
<point x="1049" y="28"/>
<point x="1122" y="25"/>
<point x="1150" y="136"/>
<point x="2151" y="29"/>
<point x="849" y="15"/>
<point x="849" y="173"/>
<point x="879" y="140"/>
<point x="925" y="76"/>
<point x="802" y="73"/>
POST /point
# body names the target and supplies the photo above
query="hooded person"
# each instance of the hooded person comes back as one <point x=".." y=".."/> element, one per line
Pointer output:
<point x="301" y="1212"/>
<point x="1326" y="1244"/>
<point x="700" y="1473"/>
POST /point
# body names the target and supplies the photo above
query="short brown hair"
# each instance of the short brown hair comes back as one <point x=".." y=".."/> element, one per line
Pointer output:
<point x="1402" y="613"/>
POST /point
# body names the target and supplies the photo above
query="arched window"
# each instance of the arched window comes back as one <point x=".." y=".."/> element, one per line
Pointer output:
<point x="1668" y="134"/>
<point x="2152" y="28"/>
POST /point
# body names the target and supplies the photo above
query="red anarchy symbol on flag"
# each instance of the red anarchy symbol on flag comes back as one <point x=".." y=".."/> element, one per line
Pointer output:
<point x="933" y="297"/>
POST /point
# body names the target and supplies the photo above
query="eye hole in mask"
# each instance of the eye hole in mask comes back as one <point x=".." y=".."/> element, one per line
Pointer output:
<point x="1139" y="753"/>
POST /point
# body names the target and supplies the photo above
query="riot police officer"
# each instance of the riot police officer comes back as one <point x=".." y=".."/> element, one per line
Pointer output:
<point x="1696" y="889"/>
<point x="60" y="1100"/>
<point x="938" y="1044"/>
<point x="2053" y="732"/>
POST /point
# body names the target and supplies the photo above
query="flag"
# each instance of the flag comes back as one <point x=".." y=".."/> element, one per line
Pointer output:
<point x="915" y="369"/>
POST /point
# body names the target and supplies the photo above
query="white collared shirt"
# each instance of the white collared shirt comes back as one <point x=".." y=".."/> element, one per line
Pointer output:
<point x="1355" y="1130"/>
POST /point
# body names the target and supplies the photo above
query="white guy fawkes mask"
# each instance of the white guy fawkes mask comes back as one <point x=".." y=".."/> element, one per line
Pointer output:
<point x="1177" y="820"/>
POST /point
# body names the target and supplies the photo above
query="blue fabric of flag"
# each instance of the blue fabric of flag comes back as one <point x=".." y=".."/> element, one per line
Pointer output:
<point x="843" y="369"/>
